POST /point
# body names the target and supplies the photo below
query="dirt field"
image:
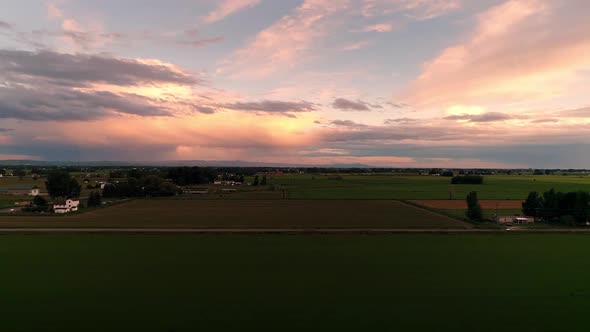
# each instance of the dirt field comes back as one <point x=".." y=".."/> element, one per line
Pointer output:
<point x="247" y="214"/>
<point x="460" y="204"/>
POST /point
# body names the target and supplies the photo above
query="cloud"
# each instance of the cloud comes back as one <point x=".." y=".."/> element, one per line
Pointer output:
<point x="227" y="8"/>
<point x="202" y="42"/>
<point x="381" y="27"/>
<point x="82" y="69"/>
<point x="400" y="120"/>
<point x="484" y="117"/>
<point x="285" y="43"/>
<point x="71" y="105"/>
<point x="348" y="124"/>
<point x="397" y="134"/>
<point x="357" y="46"/>
<point x="290" y="41"/>
<point x="203" y="109"/>
<point x="545" y="121"/>
<point x="272" y="107"/>
<point x="515" y="53"/>
<point x="417" y="9"/>
<point x="349" y="105"/>
<point x="4" y="25"/>
<point x="576" y="113"/>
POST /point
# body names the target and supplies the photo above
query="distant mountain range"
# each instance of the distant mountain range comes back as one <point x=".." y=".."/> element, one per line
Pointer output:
<point x="210" y="163"/>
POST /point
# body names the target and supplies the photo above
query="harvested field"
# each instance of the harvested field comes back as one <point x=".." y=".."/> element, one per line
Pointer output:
<point x="247" y="214"/>
<point x="461" y="204"/>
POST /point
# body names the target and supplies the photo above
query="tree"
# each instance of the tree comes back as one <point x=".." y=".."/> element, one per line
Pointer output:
<point x="60" y="184"/>
<point x="532" y="204"/>
<point x="263" y="182"/>
<point x="94" y="199"/>
<point x="20" y="172"/>
<point x="474" y="211"/>
<point x="39" y="201"/>
<point x="256" y="181"/>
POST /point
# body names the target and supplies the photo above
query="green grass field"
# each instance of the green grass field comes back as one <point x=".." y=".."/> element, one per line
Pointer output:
<point x="307" y="186"/>
<point x="177" y="213"/>
<point x="294" y="283"/>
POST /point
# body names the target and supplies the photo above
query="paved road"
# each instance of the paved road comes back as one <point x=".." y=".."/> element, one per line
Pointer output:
<point x="283" y="230"/>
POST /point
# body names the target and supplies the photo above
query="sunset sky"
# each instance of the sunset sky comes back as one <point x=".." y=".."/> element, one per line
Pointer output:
<point x="394" y="83"/>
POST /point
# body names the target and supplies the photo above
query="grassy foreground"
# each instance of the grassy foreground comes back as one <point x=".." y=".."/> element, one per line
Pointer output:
<point x="295" y="283"/>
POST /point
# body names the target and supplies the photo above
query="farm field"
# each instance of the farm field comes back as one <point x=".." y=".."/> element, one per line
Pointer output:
<point x="178" y="213"/>
<point x="495" y="187"/>
<point x="428" y="282"/>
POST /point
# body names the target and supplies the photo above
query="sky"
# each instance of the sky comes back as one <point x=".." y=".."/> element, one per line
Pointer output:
<point x="389" y="83"/>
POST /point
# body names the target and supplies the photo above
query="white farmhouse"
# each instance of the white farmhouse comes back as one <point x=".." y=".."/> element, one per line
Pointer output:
<point x="70" y="205"/>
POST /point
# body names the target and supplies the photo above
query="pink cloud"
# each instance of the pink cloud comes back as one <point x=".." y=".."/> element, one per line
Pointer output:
<point x="418" y="9"/>
<point x="291" y="40"/>
<point x="382" y="27"/>
<point x="519" y="51"/>
<point x="357" y="46"/>
<point x="286" y="42"/>
<point x="227" y="8"/>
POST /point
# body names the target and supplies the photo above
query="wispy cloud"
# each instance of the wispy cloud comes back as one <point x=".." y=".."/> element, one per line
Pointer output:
<point x="201" y="42"/>
<point x="381" y="27"/>
<point x="227" y="8"/>
<point x="286" y="108"/>
<point x="484" y="117"/>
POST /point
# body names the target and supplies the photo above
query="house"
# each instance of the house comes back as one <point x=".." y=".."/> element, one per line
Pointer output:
<point x="69" y="205"/>
<point x="515" y="220"/>
<point x="21" y="191"/>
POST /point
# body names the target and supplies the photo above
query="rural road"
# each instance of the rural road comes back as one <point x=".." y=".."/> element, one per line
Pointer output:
<point x="284" y="230"/>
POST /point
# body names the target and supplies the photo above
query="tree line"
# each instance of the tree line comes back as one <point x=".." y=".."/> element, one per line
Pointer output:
<point x="555" y="206"/>
<point x="467" y="179"/>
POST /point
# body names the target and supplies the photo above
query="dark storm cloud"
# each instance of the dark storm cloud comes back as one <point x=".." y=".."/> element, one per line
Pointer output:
<point x="272" y="106"/>
<point x="69" y="105"/>
<point x="82" y="69"/>
<point x="349" y="105"/>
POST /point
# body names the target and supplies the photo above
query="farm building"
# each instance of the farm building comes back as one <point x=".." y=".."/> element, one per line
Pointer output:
<point x="515" y="220"/>
<point x="69" y="205"/>
<point x="21" y="191"/>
